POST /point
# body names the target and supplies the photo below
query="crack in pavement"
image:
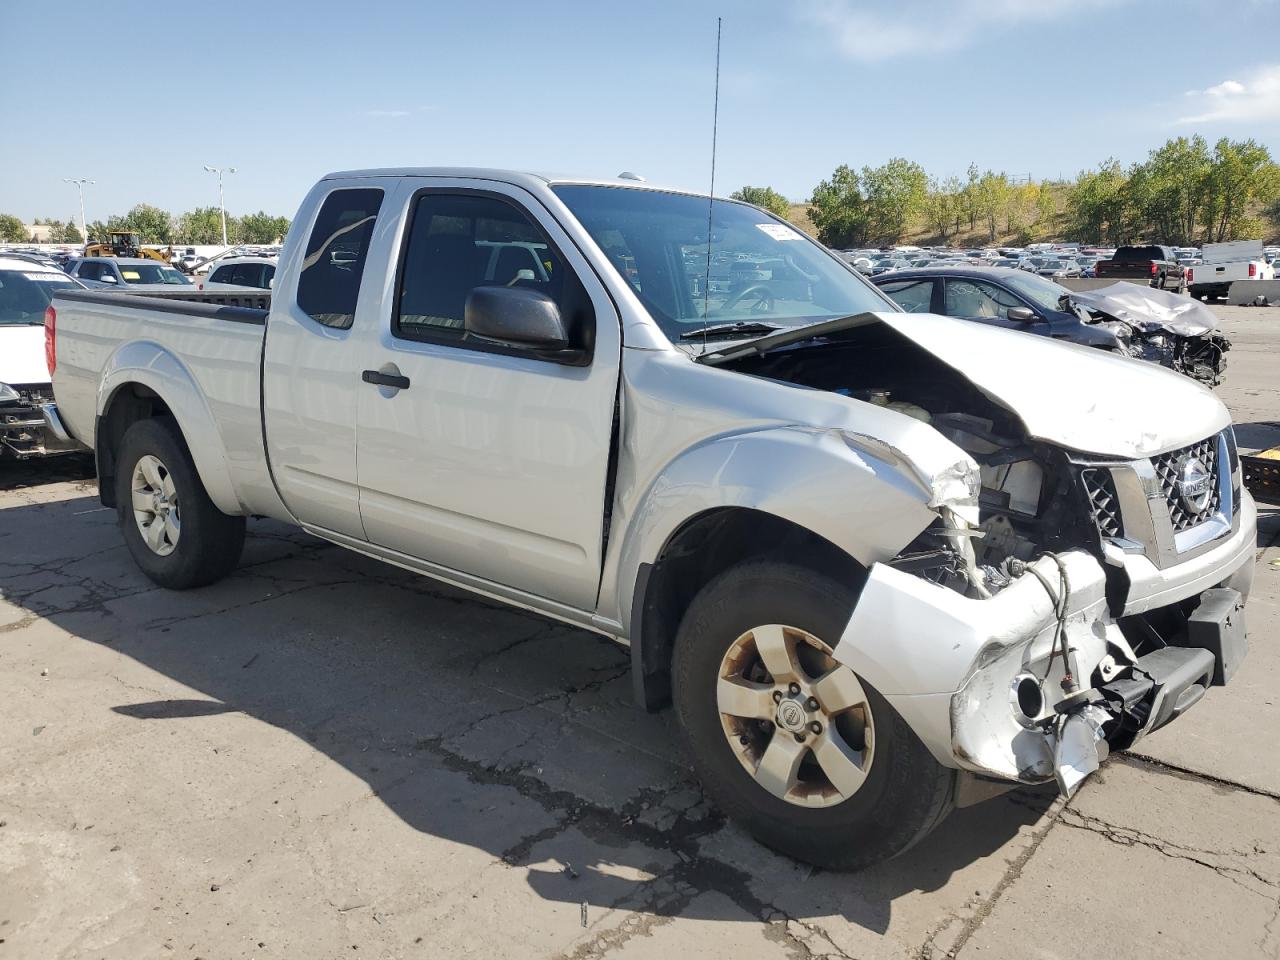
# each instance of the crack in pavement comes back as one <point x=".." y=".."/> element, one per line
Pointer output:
<point x="1144" y="762"/>
<point x="970" y="924"/>
<point x="1129" y="836"/>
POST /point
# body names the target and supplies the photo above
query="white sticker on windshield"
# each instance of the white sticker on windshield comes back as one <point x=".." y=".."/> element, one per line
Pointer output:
<point x="778" y="231"/>
<point x="50" y="275"/>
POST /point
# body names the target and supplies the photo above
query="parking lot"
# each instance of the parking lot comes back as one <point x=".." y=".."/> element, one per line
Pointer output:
<point x="323" y="756"/>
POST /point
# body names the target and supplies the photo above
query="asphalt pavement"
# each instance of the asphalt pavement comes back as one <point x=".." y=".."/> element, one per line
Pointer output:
<point x="324" y="757"/>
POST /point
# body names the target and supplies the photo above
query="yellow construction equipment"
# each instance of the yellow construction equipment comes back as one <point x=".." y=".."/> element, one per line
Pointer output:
<point x="127" y="243"/>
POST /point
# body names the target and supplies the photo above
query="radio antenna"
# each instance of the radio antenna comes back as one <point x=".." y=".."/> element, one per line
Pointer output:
<point x="711" y="194"/>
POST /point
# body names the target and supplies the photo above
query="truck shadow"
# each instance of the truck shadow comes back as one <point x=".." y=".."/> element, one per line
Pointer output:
<point x="441" y="702"/>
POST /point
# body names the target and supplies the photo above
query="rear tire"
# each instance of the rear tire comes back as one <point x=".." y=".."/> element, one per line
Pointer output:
<point x="176" y="536"/>
<point x="903" y="792"/>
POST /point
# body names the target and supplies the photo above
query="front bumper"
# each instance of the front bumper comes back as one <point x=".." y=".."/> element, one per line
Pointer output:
<point x="953" y="666"/>
<point x="31" y="427"/>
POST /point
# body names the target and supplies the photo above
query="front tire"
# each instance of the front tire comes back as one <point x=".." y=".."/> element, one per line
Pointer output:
<point x="172" y="529"/>
<point x="809" y="758"/>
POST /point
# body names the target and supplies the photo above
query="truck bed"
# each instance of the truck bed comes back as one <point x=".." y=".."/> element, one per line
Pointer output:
<point x="212" y="339"/>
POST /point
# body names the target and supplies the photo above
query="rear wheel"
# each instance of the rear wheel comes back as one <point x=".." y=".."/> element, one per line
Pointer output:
<point x="788" y="741"/>
<point x="172" y="529"/>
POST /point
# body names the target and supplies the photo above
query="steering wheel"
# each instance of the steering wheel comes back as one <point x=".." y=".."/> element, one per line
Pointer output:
<point x="763" y="296"/>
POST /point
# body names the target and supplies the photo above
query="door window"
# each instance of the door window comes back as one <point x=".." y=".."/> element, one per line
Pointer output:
<point x="457" y="242"/>
<point x="221" y="275"/>
<point x="329" y="284"/>
<point x="913" y="296"/>
<point x="978" y="299"/>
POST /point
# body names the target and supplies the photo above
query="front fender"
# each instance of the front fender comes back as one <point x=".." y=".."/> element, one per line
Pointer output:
<point x="817" y="479"/>
<point x="151" y="365"/>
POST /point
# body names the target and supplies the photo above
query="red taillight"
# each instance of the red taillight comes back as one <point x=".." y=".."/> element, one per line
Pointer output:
<point x="1190" y="274"/>
<point x="1154" y="269"/>
<point x="50" y="338"/>
<point x="1253" y="270"/>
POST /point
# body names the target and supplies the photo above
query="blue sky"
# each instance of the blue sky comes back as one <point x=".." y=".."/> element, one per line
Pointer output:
<point x="286" y="91"/>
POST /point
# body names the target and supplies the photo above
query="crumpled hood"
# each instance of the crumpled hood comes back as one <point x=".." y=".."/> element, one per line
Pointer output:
<point x="1078" y="397"/>
<point x="1147" y="309"/>
<point x="22" y="355"/>
<point x="1081" y="398"/>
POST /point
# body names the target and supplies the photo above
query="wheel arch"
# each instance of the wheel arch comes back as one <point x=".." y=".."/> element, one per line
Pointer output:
<point x="145" y="381"/>
<point x="700" y="549"/>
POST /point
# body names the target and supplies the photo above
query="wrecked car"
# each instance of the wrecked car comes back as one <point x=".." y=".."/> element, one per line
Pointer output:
<point x="26" y="395"/>
<point x="881" y="563"/>
<point x="1125" y="318"/>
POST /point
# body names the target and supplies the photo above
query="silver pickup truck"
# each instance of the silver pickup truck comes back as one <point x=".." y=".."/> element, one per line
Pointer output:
<point x="882" y="563"/>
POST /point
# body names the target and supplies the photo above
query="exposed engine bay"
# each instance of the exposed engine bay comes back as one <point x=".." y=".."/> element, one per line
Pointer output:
<point x="1031" y="501"/>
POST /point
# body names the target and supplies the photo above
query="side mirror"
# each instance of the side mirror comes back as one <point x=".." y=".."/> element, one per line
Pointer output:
<point x="516" y="317"/>
<point x="108" y="278"/>
<point x="1021" y="314"/>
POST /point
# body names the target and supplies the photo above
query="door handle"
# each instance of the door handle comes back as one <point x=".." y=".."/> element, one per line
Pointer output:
<point x="381" y="379"/>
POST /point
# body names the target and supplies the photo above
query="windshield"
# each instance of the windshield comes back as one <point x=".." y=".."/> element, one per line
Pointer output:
<point x="1045" y="294"/>
<point x="763" y="272"/>
<point x="151" y="273"/>
<point x="24" y="294"/>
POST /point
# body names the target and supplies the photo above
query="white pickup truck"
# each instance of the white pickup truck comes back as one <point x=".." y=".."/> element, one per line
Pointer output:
<point x="882" y="562"/>
<point x="1224" y="264"/>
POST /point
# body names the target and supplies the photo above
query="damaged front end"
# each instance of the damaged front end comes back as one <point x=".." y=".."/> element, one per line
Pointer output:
<point x="28" y="423"/>
<point x="1159" y="326"/>
<point x="1061" y="605"/>
<point x="1034" y="648"/>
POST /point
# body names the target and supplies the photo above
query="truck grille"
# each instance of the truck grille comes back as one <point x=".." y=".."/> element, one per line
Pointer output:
<point x="1100" y="487"/>
<point x="1168" y="467"/>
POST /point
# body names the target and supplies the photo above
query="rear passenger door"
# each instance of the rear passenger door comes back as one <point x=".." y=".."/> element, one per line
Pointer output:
<point x="487" y="460"/>
<point x="311" y="368"/>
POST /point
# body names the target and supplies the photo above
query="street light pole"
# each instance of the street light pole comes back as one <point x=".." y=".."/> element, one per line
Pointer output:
<point x="221" y="203"/>
<point x="84" y="234"/>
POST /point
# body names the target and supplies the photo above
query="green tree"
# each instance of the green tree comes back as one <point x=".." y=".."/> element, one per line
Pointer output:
<point x="152" y="224"/>
<point x="261" y="227"/>
<point x="1099" y="207"/>
<point x="766" y="198"/>
<point x="70" y="233"/>
<point x="12" y="230"/>
<point x="943" y="207"/>
<point x="1241" y="177"/>
<point x="895" y="194"/>
<point x="204" y="225"/>
<point x="969" y="196"/>
<point x="838" y="209"/>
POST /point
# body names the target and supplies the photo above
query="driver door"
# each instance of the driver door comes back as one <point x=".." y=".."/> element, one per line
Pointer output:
<point x="488" y="460"/>
<point x="985" y="302"/>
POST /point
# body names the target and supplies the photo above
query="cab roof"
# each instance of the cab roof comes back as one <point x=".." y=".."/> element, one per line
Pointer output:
<point x="522" y="178"/>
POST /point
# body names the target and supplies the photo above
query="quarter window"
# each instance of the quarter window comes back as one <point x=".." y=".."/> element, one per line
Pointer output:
<point x="913" y="296"/>
<point x="458" y="242"/>
<point x="329" y="284"/>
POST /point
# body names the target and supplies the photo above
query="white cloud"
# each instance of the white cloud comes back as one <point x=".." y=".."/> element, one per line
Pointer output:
<point x="912" y="28"/>
<point x="1253" y="100"/>
<point x="386" y="113"/>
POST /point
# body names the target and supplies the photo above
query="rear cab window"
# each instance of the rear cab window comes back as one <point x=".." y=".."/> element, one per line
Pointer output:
<point x="329" y="283"/>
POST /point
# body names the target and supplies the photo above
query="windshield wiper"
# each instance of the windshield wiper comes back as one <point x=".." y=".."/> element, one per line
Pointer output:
<point x="741" y="328"/>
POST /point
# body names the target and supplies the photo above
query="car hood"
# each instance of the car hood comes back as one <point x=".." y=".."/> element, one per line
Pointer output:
<point x="1076" y="397"/>
<point x="22" y="355"/>
<point x="1148" y="310"/>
